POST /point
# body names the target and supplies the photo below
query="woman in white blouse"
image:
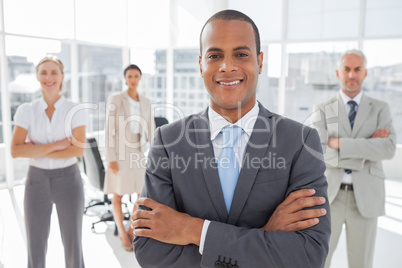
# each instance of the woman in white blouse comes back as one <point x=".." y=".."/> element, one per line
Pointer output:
<point x="50" y="131"/>
<point x="129" y="125"/>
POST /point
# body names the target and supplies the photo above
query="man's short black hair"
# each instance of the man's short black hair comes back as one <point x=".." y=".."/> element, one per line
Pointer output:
<point x="228" y="15"/>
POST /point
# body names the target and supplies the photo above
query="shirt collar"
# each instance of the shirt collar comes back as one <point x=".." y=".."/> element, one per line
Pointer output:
<point x="57" y="104"/>
<point x="346" y="98"/>
<point x="217" y="121"/>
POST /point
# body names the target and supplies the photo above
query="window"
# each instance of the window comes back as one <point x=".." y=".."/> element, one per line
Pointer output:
<point x="2" y="145"/>
<point x="388" y="12"/>
<point x="311" y="77"/>
<point x="268" y="80"/>
<point x="263" y="13"/>
<point x="189" y="18"/>
<point x="384" y="78"/>
<point x="107" y="25"/>
<point x="48" y="18"/>
<point x="100" y="75"/>
<point x="319" y="19"/>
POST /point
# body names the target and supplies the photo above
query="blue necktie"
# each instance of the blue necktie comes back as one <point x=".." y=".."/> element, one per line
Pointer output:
<point x="352" y="113"/>
<point x="228" y="168"/>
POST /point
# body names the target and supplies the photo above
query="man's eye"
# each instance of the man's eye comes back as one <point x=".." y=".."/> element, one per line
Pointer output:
<point x="213" y="56"/>
<point x="242" y="55"/>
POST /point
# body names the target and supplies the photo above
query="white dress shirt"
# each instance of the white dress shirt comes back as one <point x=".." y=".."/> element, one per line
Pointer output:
<point x="67" y="116"/>
<point x="347" y="178"/>
<point x="134" y="110"/>
<point x="216" y="123"/>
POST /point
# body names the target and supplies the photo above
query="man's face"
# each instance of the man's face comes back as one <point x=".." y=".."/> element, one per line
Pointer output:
<point x="351" y="74"/>
<point x="230" y="65"/>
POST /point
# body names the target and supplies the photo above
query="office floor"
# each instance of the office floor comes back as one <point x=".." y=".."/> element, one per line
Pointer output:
<point x="104" y="249"/>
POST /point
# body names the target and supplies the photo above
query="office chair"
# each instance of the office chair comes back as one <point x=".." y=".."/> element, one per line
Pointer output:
<point x="160" y="121"/>
<point x="95" y="171"/>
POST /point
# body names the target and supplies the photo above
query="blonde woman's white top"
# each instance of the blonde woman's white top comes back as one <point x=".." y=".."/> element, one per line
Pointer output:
<point x="67" y="116"/>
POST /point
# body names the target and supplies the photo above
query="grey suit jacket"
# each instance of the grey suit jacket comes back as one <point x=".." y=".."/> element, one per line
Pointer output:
<point x="358" y="151"/>
<point x="282" y="156"/>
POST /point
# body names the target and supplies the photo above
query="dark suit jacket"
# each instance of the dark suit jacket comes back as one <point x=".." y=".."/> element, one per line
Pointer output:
<point x="282" y="156"/>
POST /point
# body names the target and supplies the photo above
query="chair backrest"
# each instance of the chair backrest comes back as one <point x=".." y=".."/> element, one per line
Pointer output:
<point x="160" y="121"/>
<point x="93" y="164"/>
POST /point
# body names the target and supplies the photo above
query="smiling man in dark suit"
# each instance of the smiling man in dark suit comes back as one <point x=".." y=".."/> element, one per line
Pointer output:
<point x="253" y="190"/>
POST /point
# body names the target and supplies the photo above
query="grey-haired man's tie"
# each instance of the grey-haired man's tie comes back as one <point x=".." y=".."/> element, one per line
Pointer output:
<point x="352" y="113"/>
<point x="352" y="116"/>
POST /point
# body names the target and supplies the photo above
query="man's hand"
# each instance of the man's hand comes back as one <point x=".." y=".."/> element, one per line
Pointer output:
<point x="114" y="167"/>
<point x="333" y="143"/>
<point x="381" y="133"/>
<point x="165" y="224"/>
<point x="289" y="216"/>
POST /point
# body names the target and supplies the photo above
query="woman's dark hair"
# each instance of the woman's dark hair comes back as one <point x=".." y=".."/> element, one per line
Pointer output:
<point x="132" y="67"/>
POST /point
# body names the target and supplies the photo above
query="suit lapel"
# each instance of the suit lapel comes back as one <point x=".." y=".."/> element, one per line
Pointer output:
<point x="126" y="104"/>
<point x="203" y="136"/>
<point x="143" y="112"/>
<point x="343" y="117"/>
<point x="363" y="112"/>
<point x="256" y="148"/>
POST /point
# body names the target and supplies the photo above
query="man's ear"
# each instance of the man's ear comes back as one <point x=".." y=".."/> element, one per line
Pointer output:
<point x="337" y="73"/>
<point x="260" y="58"/>
<point x="199" y="62"/>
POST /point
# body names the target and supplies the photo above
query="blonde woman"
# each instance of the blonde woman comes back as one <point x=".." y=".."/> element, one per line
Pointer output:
<point x="129" y="125"/>
<point x="51" y="135"/>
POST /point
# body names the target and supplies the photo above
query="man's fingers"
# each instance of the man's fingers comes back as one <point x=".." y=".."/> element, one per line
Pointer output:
<point x="303" y="215"/>
<point x="305" y="202"/>
<point x="301" y="225"/>
<point x="298" y="194"/>
<point x="143" y="232"/>
<point x="141" y="214"/>
<point x="300" y="218"/>
<point x="146" y="202"/>
<point x="141" y="223"/>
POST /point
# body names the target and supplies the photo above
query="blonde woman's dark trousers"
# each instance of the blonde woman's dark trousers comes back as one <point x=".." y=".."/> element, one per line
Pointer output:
<point x="63" y="188"/>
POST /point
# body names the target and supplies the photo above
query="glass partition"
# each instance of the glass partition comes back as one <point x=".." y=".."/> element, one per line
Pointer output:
<point x="100" y="74"/>
<point x="268" y="80"/>
<point x="46" y="18"/>
<point x="2" y="146"/>
<point x="148" y="24"/>
<point x="320" y="19"/>
<point x="153" y="82"/>
<point x="383" y="18"/>
<point x="311" y="76"/>
<point x="267" y="14"/>
<point x="384" y="79"/>
<point x="101" y="21"/>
